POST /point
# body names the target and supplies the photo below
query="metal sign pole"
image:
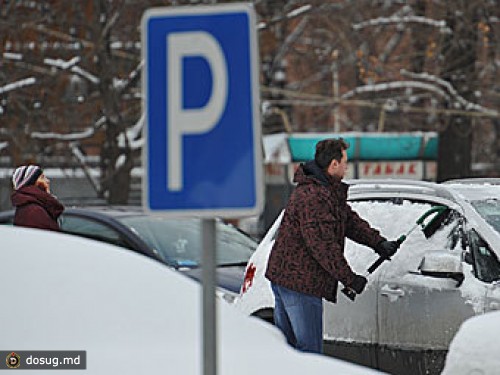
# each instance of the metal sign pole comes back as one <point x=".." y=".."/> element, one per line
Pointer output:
<point x="180" y="145"/>
<point x="209" y="303"/>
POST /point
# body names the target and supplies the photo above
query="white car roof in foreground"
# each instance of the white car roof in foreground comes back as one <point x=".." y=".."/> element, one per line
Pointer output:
<point x="131" y="314"/>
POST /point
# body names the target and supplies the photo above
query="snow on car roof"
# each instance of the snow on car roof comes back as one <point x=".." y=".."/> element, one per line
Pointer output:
<point x="472" y="192"/>
<point x="392" y="186"/>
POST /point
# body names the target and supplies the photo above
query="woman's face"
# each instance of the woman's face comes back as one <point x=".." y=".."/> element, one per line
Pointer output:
<point x="43" y="182"/>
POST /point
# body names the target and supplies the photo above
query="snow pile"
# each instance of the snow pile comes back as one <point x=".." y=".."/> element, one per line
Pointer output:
<point x="474" y="350"/>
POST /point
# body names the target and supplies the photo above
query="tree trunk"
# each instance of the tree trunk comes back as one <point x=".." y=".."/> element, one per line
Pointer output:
<point x="115" y="175"/>
<point x="419" y="43"/>
<point x="460" y="54"/>
<point x="454" y="153"/>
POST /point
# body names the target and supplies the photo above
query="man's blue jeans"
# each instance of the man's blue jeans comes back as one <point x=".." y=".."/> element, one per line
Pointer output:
<point x="300" y="317"/>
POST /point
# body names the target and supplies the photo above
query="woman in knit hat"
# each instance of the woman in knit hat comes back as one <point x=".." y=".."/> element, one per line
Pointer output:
<point x="35" y="206"/>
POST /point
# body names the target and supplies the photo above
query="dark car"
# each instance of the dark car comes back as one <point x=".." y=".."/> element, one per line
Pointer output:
<point x="174" y="242"/>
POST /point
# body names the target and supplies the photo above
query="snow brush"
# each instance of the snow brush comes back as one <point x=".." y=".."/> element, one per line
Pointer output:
<point x="428" y="229"/>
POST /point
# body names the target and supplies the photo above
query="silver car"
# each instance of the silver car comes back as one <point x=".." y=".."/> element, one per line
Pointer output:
<point x="413" y="305"/>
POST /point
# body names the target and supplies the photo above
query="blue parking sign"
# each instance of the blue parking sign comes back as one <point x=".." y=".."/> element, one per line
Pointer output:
<point x="203" y="153"/>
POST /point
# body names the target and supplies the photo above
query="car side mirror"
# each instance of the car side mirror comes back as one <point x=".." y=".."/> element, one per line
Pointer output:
<point x="442" y="264"/>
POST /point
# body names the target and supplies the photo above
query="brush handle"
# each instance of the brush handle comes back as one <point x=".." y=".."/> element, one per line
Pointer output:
<point x="351" y="294"/>
<point x="381" y="260"/>
<point x="377" y="263"/>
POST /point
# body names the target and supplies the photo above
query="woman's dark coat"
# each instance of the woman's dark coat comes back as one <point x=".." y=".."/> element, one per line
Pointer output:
<point x="35" y="208"/>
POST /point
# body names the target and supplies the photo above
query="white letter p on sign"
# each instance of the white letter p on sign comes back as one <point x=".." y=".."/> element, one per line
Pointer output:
<point x="183" y="121"/>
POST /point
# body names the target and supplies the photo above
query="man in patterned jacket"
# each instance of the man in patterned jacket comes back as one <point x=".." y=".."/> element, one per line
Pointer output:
<point x="307" y="260"/>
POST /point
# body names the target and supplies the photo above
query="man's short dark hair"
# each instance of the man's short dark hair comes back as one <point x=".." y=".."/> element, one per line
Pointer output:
<point x="329" y="149"/>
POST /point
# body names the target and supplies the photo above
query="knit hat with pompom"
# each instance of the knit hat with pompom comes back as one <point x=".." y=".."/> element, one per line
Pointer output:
<point x="26" y="175"/>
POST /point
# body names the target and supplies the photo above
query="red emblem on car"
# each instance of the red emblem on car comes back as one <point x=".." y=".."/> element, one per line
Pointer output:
<point x="249" y="275"/>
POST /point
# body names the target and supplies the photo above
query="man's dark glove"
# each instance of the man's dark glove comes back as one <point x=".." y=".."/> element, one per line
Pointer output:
<point x="358" y="284"/>
<point x="387" y="249"/>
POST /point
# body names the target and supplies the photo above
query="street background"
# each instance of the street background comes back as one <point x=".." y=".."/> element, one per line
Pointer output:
<point x="71" y="101"/>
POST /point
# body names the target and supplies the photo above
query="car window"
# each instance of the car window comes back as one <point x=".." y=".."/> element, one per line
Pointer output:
<point x="179" y="241"/>
<point x="234" y="246"/>
<point x="91" y="229"/>
<point x="485" y="263"/>
<point x="394" y="218"/>
<point x="489" y="209"/>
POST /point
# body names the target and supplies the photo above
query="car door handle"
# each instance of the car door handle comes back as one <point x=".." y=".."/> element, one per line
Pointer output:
<point x="392" y="292"/>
